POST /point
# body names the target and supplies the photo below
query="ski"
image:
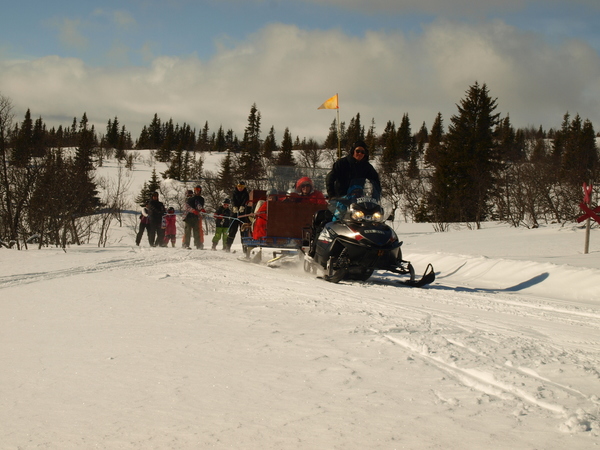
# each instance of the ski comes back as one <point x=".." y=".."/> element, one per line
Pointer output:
<point x="427" y="278"/>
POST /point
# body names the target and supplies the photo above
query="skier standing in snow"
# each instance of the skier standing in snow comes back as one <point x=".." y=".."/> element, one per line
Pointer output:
<point x="143" y="224"/>
<point x="198" y="192"/>
<point x="170" y="227"/>
<point x="239" y="200"/>
<point x="222" y="222"/>
<point x="189" y="193"/>
<point x="193" y="207"/>
<point x="156" y="211"/>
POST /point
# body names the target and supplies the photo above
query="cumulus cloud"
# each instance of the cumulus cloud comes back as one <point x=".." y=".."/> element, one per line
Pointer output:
<point x="288" y="72"/>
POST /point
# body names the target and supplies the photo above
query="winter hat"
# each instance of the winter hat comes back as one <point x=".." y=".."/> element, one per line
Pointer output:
<point x="359" y="144"/>
<point x="171" y="210"/>
<point x="198" y="187"/>
<point x="226" y="201"/>
<point x="273" y="192"/>
<point x="302" y="181"/>
<point x="241" y="183"/>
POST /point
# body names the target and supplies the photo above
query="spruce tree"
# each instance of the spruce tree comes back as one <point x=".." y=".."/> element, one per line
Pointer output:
<point x="23" y="147"/>
<point x="144" y="195"/>
<point x="465" y="173"/>
<point x="331" y="141"/>
<point x="220" y="143"/>
<point x="404" y="139"/>
<point x="389" y="143"/>
<point x="153" y="185"/>
<point x="579" y="160"/>
<point x="355" y="131"/>
<point x="83" y="189"/>
<point x="112" y="133"/>
<point x="286" y="157"/>
<point x="371" y="138"/>
<point x="509" y="148"/>
<point x="435" y="141"/>
<point x="421" y="139"/>
<point x="155" y="132"/>
<point x="176" y="165"/>
<point x="270" y="144"/>
<point x="144" y="139"/>
<point x="226" y="181"/>
<point x="39" y="139"/>
<point x="203" y="144"/>
<point x="250" y="161"/>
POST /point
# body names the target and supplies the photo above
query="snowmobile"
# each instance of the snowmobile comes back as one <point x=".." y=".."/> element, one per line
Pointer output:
<point x="357" y="242"/>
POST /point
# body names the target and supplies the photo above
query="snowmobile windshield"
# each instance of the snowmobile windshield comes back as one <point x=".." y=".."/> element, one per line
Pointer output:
<point x="362" y="191"/>
<point x="362" y="200"/>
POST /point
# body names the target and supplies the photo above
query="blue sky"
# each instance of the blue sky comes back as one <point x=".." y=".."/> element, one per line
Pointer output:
<point x="197" y="61"/>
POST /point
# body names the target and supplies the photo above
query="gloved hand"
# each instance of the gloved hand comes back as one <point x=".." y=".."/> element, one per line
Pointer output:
<point x="234" y="209"/>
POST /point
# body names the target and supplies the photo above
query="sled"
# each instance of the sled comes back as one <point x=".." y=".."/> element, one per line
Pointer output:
<point x="288" y="227"/>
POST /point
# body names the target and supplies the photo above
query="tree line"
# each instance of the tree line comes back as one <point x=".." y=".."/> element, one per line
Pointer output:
<point x="479" y="169"/>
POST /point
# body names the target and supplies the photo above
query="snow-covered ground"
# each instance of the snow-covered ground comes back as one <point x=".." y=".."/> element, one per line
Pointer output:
<point x="165" y="348"/>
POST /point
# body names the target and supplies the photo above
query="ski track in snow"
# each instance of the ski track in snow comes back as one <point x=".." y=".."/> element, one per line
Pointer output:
<point x="143" y="258"/>
<point x="481" y="340"/>
<point x="484" y="352"/>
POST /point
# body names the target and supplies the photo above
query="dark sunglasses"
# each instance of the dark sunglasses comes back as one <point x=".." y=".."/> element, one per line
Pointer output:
<point x="361" y="152"/>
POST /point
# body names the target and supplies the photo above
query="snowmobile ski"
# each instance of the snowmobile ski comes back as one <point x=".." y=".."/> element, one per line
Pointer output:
<point x="427" y="278"/>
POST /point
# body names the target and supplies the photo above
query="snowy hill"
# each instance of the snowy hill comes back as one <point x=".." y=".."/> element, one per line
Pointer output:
<point x="139" y="347"/>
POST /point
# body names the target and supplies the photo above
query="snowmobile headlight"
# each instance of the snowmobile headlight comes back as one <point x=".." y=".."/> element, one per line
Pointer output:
<point x="377" y="217"/>
<point x="358" y="215"/>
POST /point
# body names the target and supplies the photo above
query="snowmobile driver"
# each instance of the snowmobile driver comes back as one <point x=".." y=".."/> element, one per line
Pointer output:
<point x="355" y="165"/>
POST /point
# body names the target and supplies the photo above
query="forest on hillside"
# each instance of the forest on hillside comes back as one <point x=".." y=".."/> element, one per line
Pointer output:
<point x="478" y="168"/>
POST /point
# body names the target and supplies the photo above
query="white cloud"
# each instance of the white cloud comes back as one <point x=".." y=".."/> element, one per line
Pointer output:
<point x="289" y="72"/>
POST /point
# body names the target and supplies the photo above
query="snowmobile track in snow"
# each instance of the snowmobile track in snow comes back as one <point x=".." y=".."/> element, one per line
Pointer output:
<point x="484" y="341"/>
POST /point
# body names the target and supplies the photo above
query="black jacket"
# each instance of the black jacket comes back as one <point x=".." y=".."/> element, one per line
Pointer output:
<point x="195" y="202"/>
<point x="222" y="217"/>
<point x="193" y="205"/>
<point x="345" y="170"/>
<point x="156" y="210"/>
<point x="239" y="200"/>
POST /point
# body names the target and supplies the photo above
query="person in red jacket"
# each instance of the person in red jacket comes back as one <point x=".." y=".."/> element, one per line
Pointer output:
<point x="170" y="226"/>
<point x="259" y="227"/>
<point x="306" y="190"/>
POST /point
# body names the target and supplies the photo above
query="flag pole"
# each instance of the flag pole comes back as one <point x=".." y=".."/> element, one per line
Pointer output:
<point x="339" y="129"/>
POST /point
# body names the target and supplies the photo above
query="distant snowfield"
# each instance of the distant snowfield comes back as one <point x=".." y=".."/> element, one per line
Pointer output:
<point x="139" y="347"/>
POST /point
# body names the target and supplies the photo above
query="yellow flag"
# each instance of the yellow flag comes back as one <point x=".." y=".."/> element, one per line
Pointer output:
<point x="332" y="103"/>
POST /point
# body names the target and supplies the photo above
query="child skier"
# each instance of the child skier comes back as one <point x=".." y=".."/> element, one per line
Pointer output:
<point x="169" y="224"/>
<point x="222" y="221"/>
